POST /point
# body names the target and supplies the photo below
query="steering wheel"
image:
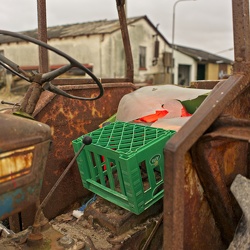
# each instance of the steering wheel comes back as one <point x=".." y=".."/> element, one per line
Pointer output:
<point x="43" y="79"/>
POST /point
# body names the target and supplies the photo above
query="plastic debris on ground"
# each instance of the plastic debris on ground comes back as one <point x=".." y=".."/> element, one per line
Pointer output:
<point x="78" y="213"/>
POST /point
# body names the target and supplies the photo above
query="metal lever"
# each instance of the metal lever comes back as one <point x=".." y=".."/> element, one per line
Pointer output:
<point x="87" y="140"/>
<point x="35" y="237"/>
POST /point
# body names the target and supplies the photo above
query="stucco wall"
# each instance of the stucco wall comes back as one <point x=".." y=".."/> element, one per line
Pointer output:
<point x="106" y="53"/>
<point x="95" y="49"/>
<point x="21" y="53"/>
<point x="78" y="48"/>
<point x="212" y="71"/>
<point x="229" y="69"/>
<point x="141" y="34"/>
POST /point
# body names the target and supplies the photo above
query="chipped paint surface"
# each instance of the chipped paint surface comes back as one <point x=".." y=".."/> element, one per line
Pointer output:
<point x="15" y="163"/>
<point x="24" y="148"/>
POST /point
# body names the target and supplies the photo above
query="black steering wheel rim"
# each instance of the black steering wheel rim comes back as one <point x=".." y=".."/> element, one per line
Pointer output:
<point x="45" y="78"/>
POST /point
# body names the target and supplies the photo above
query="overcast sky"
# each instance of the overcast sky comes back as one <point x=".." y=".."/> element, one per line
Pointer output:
<point x="201" y="24"/>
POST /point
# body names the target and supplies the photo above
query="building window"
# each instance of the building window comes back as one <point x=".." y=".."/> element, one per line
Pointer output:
<point x="142" y="58"/>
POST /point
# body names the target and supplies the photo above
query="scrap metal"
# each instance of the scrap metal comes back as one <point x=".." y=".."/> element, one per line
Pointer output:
<point x="231" y="96"/>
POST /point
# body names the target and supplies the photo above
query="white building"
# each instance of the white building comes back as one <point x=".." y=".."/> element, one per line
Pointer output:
<point x="98" y="45"/>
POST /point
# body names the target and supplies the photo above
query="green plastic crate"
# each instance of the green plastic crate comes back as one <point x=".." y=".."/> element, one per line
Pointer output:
<point x="124" y="164"/>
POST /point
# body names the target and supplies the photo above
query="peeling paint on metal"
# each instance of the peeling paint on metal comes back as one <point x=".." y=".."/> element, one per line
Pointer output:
<point x="15" y="163"/>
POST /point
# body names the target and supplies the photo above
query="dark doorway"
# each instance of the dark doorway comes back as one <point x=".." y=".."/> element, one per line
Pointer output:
<point x="184" y="75"/>
<point x="201" y="71"/>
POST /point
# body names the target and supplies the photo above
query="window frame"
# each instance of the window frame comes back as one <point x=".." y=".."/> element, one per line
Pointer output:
<point x="142" y="58"/>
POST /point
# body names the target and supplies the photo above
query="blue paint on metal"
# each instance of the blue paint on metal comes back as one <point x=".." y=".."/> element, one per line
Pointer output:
<point x="9" y="201"/>
<point x="6" y="205"/>
<point x="16" y="199"/>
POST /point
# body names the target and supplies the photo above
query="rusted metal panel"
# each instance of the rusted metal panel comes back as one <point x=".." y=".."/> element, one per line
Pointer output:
<point x="192" y="205"/>
<point x="238" y="108"/>
<point x="234" y="91"/>
<point x="241" y="35"/>
<point x="198" y="217"/>
<point x="223" y="94"/>
<point x="14" y="223"/>
<point x="68" y="120"/>
<point x="218" y="161"/>
<point x="68" y="123"/>
<point x="17" y="132"/>
<point x="76" y="81"/>
<point x="204" y="84"/>
<point x="240" y="133"/>
<point x="21" y="164"/>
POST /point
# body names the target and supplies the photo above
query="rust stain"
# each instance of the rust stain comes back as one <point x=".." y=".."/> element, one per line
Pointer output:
<point x="217" y="162"/>
<point x="229" y="161"/>
<point x="95" y="112"/>
<point x="15" y="163"/>
<point x="73" y="119"/>
<point x="192" y="184"/>
<point x="198" y="214"/>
